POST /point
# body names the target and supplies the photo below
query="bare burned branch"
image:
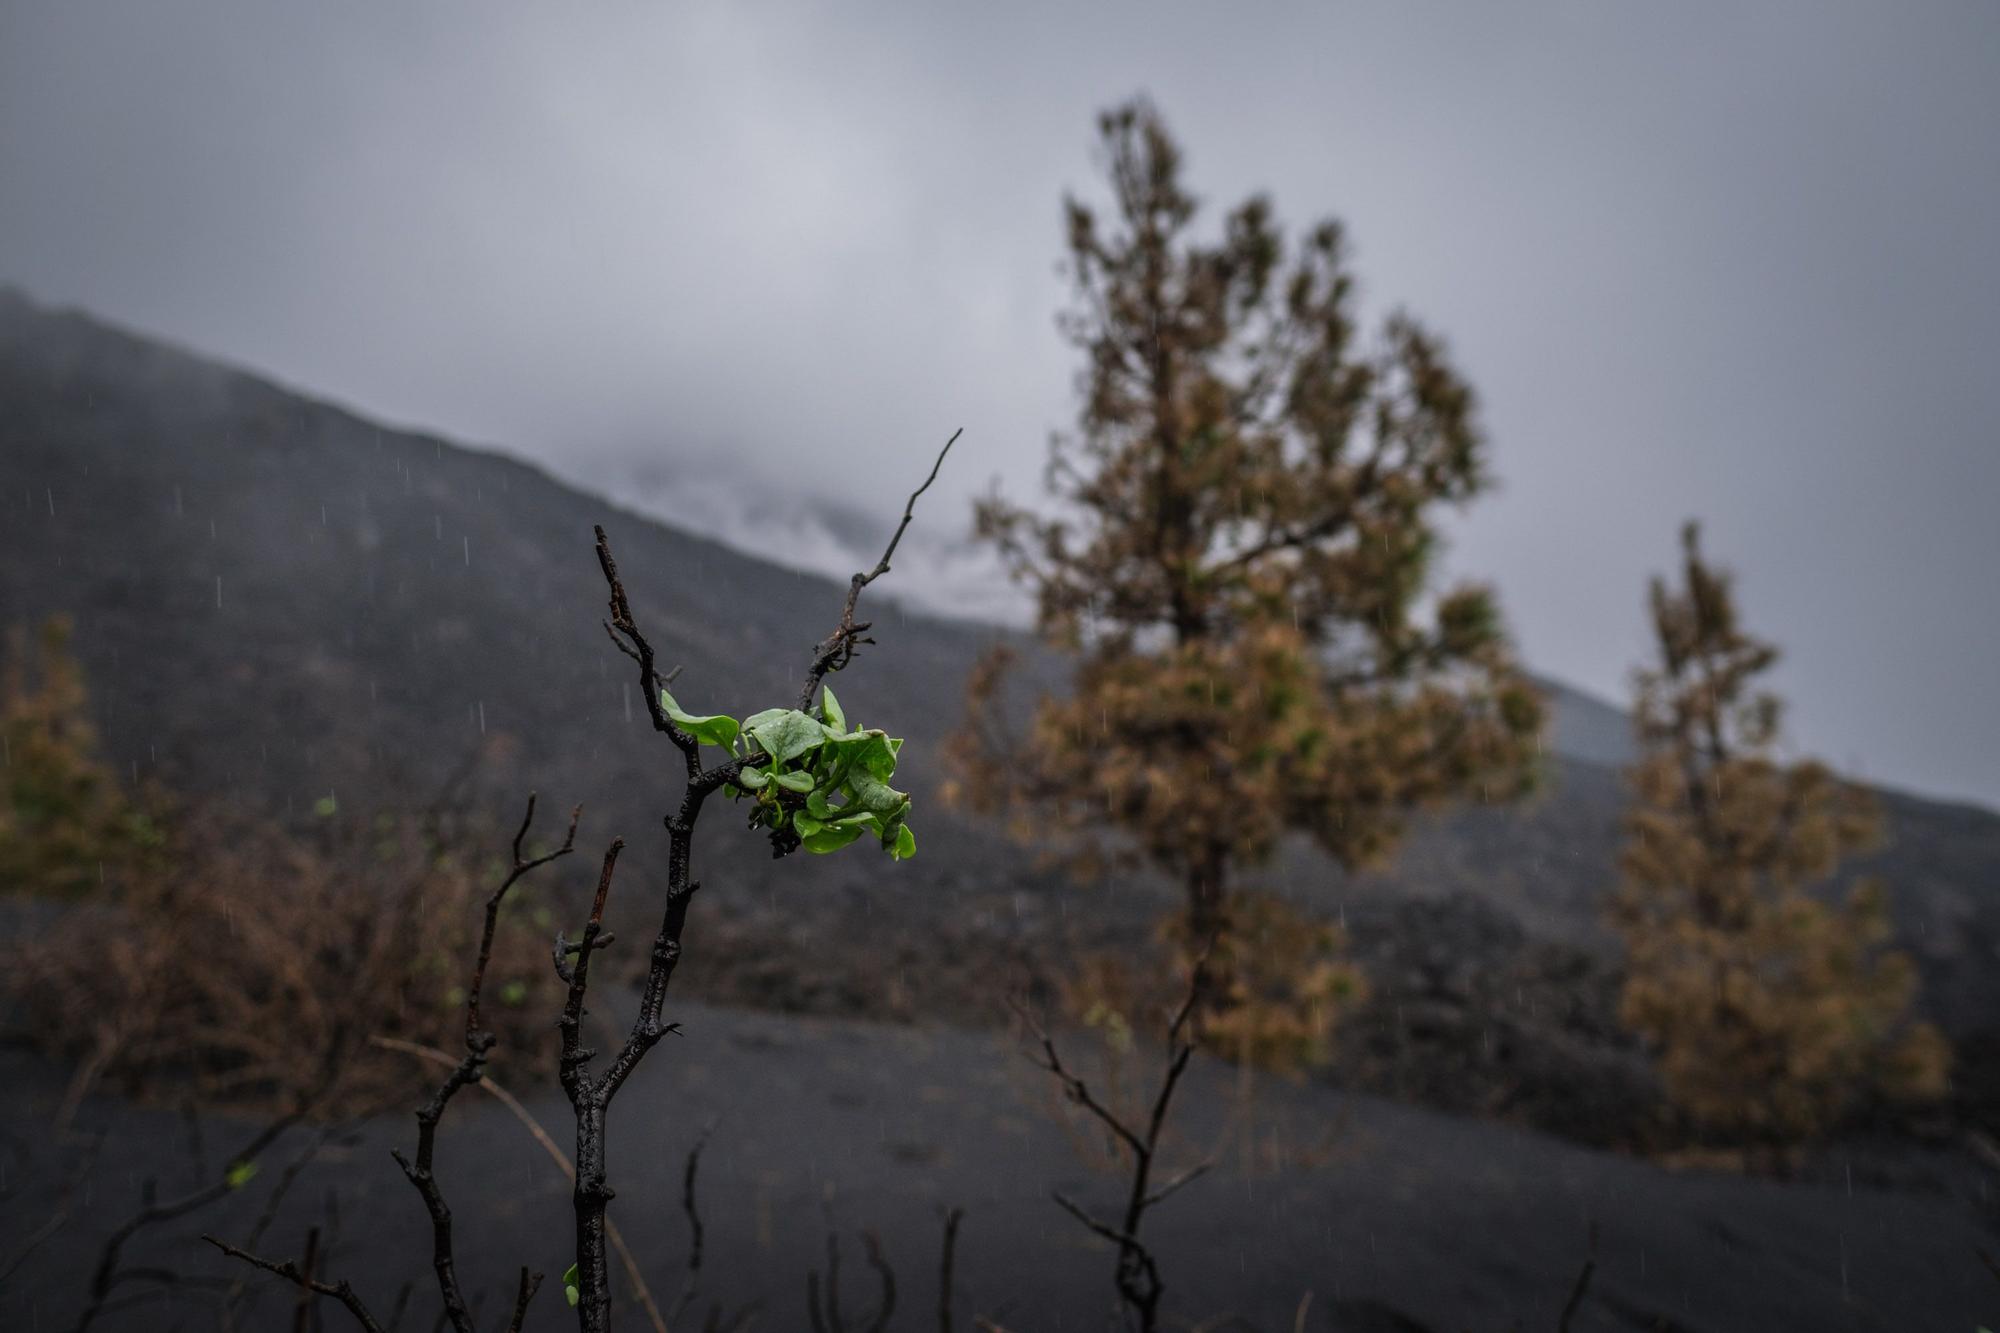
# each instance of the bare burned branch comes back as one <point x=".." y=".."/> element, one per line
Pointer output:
<point x="291" y="1272"/>
<point x="695" y="1234"/>
<point x="1582" y="1285"/>
<point x="951" y="1220"/>
<point x="109" y="1274"/>
<point x="479" y="1042"/>
<point x="1138" y="1274"/>
<point x="837" y="649"/>
<point x="825" y="1312"/>
<point x="530" y="1284"/>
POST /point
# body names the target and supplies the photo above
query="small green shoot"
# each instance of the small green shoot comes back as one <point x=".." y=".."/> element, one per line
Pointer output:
<point x="816" y="783"/>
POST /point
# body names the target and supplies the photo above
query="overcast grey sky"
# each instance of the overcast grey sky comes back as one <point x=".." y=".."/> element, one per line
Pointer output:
<point x="1717" y="260"/>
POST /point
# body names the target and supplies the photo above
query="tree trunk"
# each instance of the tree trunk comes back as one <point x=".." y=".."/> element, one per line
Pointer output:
<point x="1207" y="940"/>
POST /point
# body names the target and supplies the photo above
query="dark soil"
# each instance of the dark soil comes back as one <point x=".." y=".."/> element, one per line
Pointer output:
<point x="1389" y="1217"/>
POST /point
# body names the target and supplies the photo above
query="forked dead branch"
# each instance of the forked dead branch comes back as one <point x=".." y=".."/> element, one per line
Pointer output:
<point x="795" y="763"/>
<point x="1137" y="1276"/>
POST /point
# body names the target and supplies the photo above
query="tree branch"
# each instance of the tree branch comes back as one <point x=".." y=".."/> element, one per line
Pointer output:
<point x="837" y="649"/>
<point x="1582" y="1284"/>
<point x="951" y="1220"/>
<point x="541" y="1136"/>
<point x="479" y="1044"/>
<point x="291" y="1272"/>
<point x="109" y="1275"/>
<point x="693" y="1279"/>
<point x="1137" y="1274"/>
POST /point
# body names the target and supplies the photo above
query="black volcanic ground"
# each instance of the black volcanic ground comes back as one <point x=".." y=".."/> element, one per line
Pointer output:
<point x="1393" y="1218"/>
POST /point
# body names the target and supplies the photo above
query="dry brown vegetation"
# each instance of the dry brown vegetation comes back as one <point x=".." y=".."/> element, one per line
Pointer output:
<point x="250" y="957"/>
<point x="1773" y="1005"/>
<point x="68" y="826"/>
<point x="215" y="956"/>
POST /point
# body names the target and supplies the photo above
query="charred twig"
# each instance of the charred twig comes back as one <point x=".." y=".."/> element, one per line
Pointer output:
<point x="302" y="1313"/>
<point x="1582" y="1285"/>
<point x="499" y="1093"/>
<point x="883" y="1272"/>
<point x="951" y="1220"/>
<point x="291" y="1272"/>
<point x="688" y="1206"/>
<point x="1074" y="1087"/>
<point x="286" y="1179"/>
<point x="525" y="1292"/>
<point x="624" y="634"/>
<point x="1186" y="1177"/>
<point x="574" y="1053"/>
<point x="1122" y="1239"/>
<point x="479" y="1043"/>
<point x="826" y="1315"/>
<point x="837" y="649"/>
<point x="1138" y="1274"/>
<point x="590" y="1099"/>
<point x="687" y="1198"/>
<point x="715" y="1323"/>
<point x="108" y="1275"/>
<point x="403" y="1294"/>
<point x="814" y="1309"/>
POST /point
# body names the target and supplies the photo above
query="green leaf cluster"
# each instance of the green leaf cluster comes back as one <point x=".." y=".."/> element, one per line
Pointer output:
<point x="814" y="783"/>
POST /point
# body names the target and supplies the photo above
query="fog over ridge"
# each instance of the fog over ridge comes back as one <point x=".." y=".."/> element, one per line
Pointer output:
<point x="1722" y="263"/>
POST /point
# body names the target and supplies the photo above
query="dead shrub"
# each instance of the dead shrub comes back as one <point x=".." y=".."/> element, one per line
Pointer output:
<point x="252" y="960"/>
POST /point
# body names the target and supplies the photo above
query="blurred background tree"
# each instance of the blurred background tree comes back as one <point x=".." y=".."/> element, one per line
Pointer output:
<point x="1773" y="1010"/>
<point x="1239" y="569"/>
<point x="67" y="825"/>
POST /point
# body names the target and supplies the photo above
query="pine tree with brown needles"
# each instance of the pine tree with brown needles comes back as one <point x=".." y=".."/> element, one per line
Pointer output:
<point x="1240" y="564"/>
<point x="1773" y="1008"/>
<point x="67" y="826"/>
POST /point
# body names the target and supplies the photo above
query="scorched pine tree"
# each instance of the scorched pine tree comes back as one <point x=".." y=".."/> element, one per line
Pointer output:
<point x="1240" y="563"/>
<point x="1773" y="1008"/>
